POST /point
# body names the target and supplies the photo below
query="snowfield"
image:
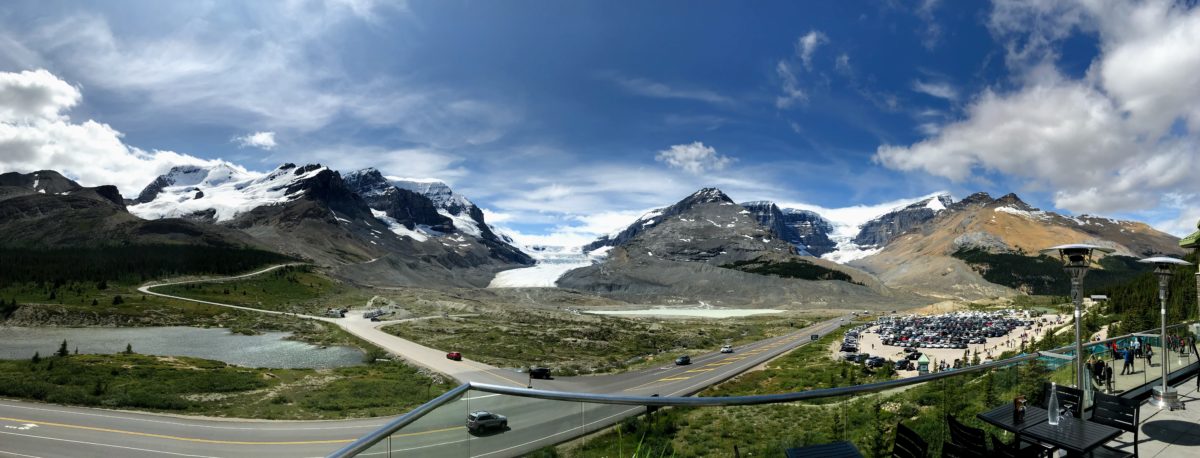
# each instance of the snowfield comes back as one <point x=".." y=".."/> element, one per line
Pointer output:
<point x="552" y="264"/>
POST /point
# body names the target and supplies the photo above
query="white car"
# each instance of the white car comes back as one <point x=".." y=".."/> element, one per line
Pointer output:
<point x="727" y="349"/>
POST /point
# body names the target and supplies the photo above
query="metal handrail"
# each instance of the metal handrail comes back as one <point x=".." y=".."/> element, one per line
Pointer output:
<point x="366" y="442"/>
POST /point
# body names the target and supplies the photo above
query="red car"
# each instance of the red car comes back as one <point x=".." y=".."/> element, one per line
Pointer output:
<point x="454" y="355"/>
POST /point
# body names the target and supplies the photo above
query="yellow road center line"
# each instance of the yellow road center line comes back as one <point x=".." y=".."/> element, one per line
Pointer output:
<point x="177" y="438"/>
<point x="668" y="379"/>
<point x="699" y="370"/>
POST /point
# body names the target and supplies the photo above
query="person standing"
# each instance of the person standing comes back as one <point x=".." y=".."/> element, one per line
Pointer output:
<point x="1128" y="367"/>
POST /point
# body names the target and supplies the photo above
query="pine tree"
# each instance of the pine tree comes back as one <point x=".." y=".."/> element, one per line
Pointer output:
<point x="62" y="349"/>
<point x="37" y="357"/>
<point x="128" y="349"/>
<point x="95" y="302"/>
<point x="118" y="300"/>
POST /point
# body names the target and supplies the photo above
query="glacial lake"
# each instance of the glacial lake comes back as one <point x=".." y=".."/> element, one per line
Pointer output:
<point x="269" y="349"/>
<point x="688" y="312"/>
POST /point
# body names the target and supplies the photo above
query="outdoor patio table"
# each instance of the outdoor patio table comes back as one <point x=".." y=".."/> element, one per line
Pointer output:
<point x="841" y="449"/>
<point x="1074" y="435"/>
<point x="1001" y="417"/>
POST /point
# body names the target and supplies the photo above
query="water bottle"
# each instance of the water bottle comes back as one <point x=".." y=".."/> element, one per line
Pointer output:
<point x="1052" y="406"/>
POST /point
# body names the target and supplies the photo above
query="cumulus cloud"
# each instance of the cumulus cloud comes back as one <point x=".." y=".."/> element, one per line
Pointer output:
<point x="261" y="140"/>
<point x="694" y="158"/>
<point x="36" y="94"/>
<point x="36" y="134"/>
<point x="1117" y="140"/>
<point x="806" y="46"/>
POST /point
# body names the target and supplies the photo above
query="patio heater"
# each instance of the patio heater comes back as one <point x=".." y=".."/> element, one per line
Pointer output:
<point x="1077" y="259"/>
<point x="1164" y="396"/>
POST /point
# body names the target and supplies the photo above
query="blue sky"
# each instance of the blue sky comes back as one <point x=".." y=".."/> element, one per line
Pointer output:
<point x="568" y="118"/>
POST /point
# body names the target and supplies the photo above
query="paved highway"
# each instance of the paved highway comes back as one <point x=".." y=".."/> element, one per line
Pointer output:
<point x="43" y="430"/>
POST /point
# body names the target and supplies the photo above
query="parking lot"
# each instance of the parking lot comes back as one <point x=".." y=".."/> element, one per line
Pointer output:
<point x="942" y="338"/>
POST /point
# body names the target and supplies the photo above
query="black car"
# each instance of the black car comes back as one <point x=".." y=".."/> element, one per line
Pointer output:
<point x="542" y="373"/>
<point x="683" y="360"/>
<point x="904" y="365"/>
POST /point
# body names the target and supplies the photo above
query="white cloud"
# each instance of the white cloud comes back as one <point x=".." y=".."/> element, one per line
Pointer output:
<point x="36" y="134"/>
<point x="939" y="89"/>
<point x="420" y="163"/>
<point x="842" y="64"/>
<point x="694" y="158"/>
<point x="261" y="140"/>
<point x="806" y="46"/>
<point x="932" y="34"/>
<point x="1117" y="140"/>
<point x="649" y="88"/>
<point x="270" y="66"/>
<point x="34" y="94"/>
<point x="792" y="93"/>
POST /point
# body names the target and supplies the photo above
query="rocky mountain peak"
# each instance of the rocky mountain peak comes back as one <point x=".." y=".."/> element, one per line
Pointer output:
<point x="41" y="181"/>
<point x="979" y="198"/>
<point x="1012" y="200"/>
<point x="770" y="216"/>
<point x="706" y="196"/>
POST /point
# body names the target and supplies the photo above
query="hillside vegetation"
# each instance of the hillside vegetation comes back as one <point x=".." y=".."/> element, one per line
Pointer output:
<point x="1044" y="275"/>
<point x="205" y="387"/>
<point x="128" y="264"/>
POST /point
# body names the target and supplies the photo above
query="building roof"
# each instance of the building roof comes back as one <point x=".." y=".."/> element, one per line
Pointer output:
<point x="1191" y="241"/>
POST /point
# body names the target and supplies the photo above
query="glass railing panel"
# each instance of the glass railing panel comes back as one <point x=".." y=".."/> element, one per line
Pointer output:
<point x="440" y="433"/>
<point x="529" y="424"/>
<point x="378" y="450"/>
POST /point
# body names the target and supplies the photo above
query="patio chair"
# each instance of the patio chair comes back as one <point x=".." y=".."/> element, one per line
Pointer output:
<point x="1067" y="396"/>
<point x="909" y="444"/>
<point x="972" y="439"/>
<point x="1120" y="413"/>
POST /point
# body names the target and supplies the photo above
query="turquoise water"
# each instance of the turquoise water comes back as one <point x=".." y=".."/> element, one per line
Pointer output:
<point x="268" y="349"/>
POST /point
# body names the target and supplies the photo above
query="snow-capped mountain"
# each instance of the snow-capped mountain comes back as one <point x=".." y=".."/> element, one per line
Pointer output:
<point x="862" y="230"/>
<point x="218" y="193"/>
<point x="427" y="209"/>
<point x="812" y="230"/>
<point x="798" y="227"/>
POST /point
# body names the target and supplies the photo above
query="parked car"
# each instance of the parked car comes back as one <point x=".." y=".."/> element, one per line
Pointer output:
<point x="904" y="365"/>
<point x="727" y="349"/>
<point x="454" y="356"/>
<point x="483" y="420"/>
<point x="816" y="337"/>
<point x="539" y="373"/>
<point x="875" y="361"/>
<point x="683" y="360"/>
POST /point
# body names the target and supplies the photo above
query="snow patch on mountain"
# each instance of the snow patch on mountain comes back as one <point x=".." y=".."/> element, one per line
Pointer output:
<point x="225" y="189"/>
<point x="462" y="222"/>
<point x="419" y="234"/>
<point x="1037" y="215"/>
